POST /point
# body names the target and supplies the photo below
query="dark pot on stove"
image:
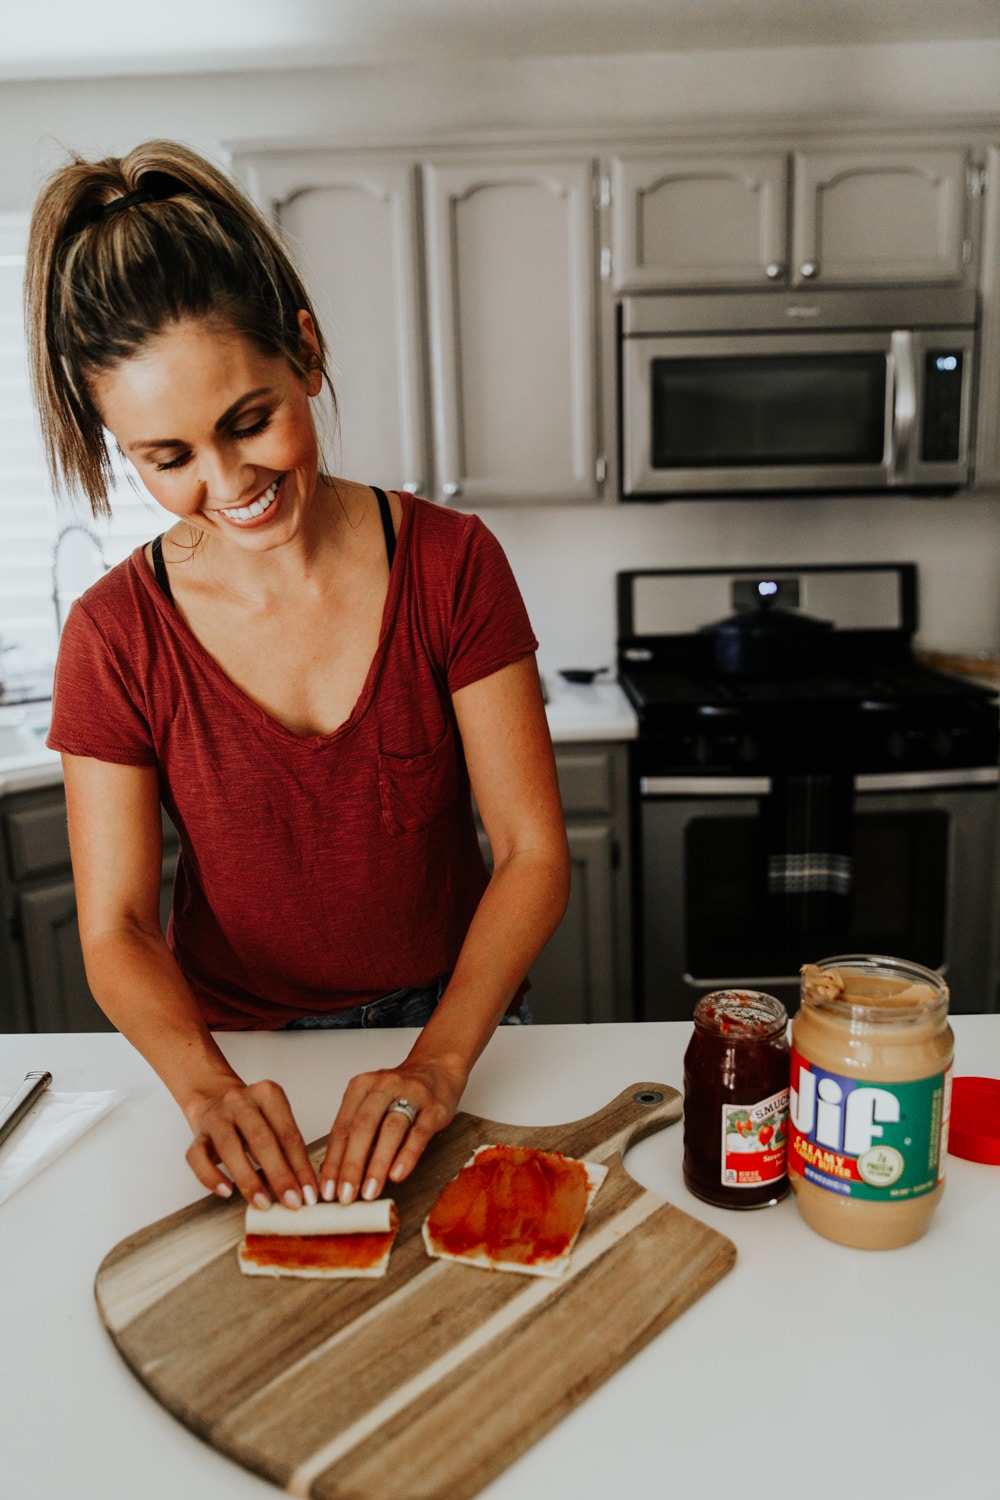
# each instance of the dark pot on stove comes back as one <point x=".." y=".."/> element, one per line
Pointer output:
<point x="768" y="641"/>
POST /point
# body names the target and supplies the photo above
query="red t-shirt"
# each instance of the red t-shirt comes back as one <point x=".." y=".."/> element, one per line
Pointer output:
<point x="317" y="872"/>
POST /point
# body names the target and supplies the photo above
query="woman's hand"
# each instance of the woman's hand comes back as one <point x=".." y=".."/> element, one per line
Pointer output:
<point x="370" y="1143"/>
<point x="249" y="1129"/>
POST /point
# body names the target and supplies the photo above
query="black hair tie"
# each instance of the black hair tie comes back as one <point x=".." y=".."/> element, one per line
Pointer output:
<point x="119" y="205"/>
<point x="156" y="187"/>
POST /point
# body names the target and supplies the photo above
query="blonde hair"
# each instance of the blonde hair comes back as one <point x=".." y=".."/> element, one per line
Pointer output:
<point x="105" y="276"/>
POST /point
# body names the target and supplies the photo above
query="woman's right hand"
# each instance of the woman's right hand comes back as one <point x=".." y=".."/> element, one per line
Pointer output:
<point x="249" y="1130"/>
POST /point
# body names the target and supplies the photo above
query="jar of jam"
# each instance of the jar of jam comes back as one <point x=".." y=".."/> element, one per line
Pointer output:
<point x="736" y="1100"/>
<point x="872" y="1054"/>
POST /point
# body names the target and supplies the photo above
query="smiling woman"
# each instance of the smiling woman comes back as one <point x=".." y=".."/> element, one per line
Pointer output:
<point x="313" y="675"/>
<point x="238" y="415"/>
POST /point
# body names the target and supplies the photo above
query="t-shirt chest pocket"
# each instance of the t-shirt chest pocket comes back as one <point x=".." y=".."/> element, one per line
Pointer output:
<point x="416" y="789"/>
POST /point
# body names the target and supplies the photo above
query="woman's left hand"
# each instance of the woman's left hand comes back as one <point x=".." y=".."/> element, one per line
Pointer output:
<point x="371" y="1143"/>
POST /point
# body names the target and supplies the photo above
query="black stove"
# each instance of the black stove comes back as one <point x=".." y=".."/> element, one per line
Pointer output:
<point x="802" y="784"/>
<point x="861" y="702"/>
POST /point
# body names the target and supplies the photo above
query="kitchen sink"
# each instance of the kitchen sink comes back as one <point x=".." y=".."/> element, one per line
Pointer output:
<point x="22" y="736"/>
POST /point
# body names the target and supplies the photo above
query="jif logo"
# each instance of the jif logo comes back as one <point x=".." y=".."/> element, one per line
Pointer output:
<point x="839" y="1114"/>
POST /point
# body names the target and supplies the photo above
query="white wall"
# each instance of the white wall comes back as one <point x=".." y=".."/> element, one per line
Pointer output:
<point x="566" y="558"/>
<point x="106" y="116"/>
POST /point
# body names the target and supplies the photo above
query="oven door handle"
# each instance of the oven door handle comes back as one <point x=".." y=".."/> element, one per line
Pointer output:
<point x="904" y="407"/>
<point x="760" y="786"/>
<point x="704" y="786"/>
<point x="927" y="781"/>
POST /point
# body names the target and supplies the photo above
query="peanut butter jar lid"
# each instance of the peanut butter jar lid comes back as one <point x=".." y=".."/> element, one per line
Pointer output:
<point x="974" y="1131"/>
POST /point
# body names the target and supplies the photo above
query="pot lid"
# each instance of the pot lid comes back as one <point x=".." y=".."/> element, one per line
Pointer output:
<point x="767" y="620"/>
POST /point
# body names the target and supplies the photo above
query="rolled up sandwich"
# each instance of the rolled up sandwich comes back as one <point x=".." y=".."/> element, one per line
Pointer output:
<point x="320" y="1241"/>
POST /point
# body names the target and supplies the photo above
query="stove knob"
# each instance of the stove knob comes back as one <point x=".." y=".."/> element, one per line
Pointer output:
<point x="896" y="745"/>
<point x="701" y="750"/>
<point x="943" y="743"/>
<point x="747" y="749"/>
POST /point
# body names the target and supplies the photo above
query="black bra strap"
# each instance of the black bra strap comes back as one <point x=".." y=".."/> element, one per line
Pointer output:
<point x="160" y="567"/>
<point x="387" y="526"/>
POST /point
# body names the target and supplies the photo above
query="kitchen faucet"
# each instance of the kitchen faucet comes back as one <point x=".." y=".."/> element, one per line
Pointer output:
<point x="3" y="649"/>
<point x="59" y="596"/>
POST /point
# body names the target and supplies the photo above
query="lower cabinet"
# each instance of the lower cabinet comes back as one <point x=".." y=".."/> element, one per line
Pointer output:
<point x="583" y="974"/>
<point x="43" y="986"/>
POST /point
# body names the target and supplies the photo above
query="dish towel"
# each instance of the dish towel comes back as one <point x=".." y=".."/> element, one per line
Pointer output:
<point x="808" y="833"/>
<point x="49" y="1128"/>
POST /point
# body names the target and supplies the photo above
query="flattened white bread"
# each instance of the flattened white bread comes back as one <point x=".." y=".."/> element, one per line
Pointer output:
<point x="596" y="1174"/>
<point x="379" y="1217"/>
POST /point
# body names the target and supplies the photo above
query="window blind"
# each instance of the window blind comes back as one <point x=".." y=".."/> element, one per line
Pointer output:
<point x="31" y="521"/>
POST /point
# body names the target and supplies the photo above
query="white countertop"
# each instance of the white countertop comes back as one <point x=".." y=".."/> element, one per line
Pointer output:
<point x="809" y="1369"/>
<point x="599" y="711"/>
<point x="575" y="712"/>
<point x="25" y="763"/>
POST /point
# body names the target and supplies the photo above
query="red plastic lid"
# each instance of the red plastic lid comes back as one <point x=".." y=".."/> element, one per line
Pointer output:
<point x="974" y="1131"/>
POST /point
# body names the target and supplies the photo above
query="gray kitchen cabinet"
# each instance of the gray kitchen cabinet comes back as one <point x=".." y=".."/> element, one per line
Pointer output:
<point x="987" y="475"/>
<point x="512" y="299"/>
<point x="352" y="226"/>
<point x="584" y="973"/>
<point x="886" y="214"/>
<point x="460" y="300"/>
<point x="686" y="219"/>
<point x="880" y="216"/>
<point x="43" y="986"/>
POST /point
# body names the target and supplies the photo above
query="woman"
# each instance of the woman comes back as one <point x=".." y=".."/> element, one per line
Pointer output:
<point x="308" y="673"/>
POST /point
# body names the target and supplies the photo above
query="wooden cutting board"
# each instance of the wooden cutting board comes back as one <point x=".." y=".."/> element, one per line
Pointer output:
<point x="426" y="1383"/>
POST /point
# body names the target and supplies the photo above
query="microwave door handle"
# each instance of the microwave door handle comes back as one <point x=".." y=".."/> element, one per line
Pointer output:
<point x="904" y="406"/>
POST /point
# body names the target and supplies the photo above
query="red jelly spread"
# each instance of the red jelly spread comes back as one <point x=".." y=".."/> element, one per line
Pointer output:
<point x="511" y="1204"/>
<point x="318" y="1252"/>
<point x="736" y="1072"/>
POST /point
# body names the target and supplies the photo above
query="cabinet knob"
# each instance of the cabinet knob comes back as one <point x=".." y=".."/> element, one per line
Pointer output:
<point x="451" y="490"/>
<point x="809" y="269"/>
<point x="774" y="271"/>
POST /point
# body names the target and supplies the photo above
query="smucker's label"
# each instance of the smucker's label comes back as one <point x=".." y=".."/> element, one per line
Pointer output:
<point x="877" y="1141"/>
<point x="754" y="1141"/>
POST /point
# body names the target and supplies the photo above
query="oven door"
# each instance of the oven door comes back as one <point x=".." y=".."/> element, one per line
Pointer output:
<point x="924" y="888"/>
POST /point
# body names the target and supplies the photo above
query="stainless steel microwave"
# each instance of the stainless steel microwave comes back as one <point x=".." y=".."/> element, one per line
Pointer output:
<point x="772" y="392"/>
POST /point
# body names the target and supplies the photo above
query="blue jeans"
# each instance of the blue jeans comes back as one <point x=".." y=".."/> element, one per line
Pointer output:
<point x="409" y="1007"/>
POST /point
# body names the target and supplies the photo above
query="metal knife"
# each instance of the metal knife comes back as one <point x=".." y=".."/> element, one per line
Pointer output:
<point x="13" y="1112"/>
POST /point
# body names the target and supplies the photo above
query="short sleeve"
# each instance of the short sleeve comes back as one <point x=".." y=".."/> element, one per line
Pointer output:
<point x="489" y="626"/>
<point x="94" y="708"/>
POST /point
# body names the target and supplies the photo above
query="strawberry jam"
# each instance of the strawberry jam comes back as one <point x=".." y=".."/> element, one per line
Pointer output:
<point x="512" y="1205"/>
<point x="736" y="1072"/>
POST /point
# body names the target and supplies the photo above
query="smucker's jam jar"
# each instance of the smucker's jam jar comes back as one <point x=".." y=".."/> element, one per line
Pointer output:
<point x="870" y="1098"/>
<point x="736" y="1100"/>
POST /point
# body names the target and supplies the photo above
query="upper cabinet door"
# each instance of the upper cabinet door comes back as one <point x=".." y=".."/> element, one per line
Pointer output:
<point x="512" y="296"/>
<point x="352" y="227"/>
<point x="879" y="216"/>
<point x="698" y="220"/>
<point x="987" y="475"/>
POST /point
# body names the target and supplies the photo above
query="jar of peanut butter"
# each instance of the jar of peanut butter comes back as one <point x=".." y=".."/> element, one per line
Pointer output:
<point x="870" y="1099"/>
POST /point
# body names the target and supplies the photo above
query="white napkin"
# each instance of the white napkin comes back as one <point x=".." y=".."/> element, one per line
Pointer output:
<point x="51" y="1125"/>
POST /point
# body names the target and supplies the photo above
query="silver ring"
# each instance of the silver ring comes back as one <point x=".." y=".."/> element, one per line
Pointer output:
<point x="403" y="1107"/>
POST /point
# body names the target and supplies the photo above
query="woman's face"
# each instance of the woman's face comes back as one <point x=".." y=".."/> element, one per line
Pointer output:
<point x="220" y="434"/>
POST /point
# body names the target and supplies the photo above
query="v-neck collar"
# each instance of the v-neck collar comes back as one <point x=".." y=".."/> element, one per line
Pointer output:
<point x="169" y="613"/>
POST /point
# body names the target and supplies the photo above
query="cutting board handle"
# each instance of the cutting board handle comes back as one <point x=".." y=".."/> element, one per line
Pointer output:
<point x="638" y="1111"/>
